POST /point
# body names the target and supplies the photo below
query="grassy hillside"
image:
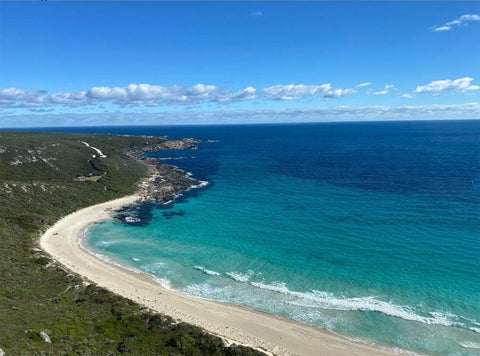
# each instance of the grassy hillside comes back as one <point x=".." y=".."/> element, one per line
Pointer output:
<point x="42" y="178"/>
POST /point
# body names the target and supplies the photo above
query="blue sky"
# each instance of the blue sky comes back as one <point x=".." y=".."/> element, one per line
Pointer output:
<point x="90" y="63"/>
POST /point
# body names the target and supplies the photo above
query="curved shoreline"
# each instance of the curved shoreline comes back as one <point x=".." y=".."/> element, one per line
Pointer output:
<point x="236" y="324"/>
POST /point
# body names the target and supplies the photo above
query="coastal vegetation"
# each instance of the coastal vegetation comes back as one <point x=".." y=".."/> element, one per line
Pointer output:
<point x="46" y="309"/>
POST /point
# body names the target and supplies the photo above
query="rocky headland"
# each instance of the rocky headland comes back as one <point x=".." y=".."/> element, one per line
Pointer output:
<point x="183" y="144"/>
<point x="165" y="181"/>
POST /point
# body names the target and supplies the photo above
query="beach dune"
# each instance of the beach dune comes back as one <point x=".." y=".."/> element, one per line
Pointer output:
<point x="235" y="324"/>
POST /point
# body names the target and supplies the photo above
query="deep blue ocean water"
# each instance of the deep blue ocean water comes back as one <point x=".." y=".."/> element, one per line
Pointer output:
<point x="371" y="230"/>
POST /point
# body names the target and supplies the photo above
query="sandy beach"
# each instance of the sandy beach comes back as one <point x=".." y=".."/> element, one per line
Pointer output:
<point x="236" y="324"/>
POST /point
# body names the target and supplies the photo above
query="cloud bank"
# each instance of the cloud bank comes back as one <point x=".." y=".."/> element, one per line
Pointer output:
<point x="157" y="95"/>
<point x="154" y="95"/>
<point x="132" y="94"/>
<point x="331" y="114"/>
<point x="27" y="98"/>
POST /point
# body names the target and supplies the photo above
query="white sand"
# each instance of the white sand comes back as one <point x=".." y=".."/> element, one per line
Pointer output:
<point x="100" y="153"/>
<point x="235" y="324"/>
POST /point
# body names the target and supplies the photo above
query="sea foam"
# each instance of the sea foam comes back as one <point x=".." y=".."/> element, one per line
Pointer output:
<point x="240" y="277"/>
<point x="206" y="271"/>
<point x="326" y="300"/>
<point x="174" y="158"/>
<point x="470" y="345"/>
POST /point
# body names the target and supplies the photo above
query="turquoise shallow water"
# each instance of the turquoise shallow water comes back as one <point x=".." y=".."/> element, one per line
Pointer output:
<point x="369" y="230"/>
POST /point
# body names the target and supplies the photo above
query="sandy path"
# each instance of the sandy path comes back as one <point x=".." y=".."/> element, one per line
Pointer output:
<point x="100" y="153"/>
<point x="236" y="324"/>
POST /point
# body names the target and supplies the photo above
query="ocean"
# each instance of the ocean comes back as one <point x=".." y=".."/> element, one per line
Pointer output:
<point x="371" y="230"/>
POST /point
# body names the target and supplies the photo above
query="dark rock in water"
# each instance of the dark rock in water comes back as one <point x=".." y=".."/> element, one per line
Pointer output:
<point x="120" y="217"/>
<point x="125" y="208"/>
<point x="136" y="215"/>
<point x="131" y="219"/>
<point x="171" y="214"/>
<point x="165" y="181"/>
<point x="164" y="185"/>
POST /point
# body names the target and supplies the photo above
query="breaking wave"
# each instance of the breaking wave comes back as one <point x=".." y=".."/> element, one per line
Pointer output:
<point x="206" y="271"/>
<point x="326" y="300"/>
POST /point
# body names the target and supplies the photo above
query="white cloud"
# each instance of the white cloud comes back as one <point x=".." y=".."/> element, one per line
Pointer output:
<point x="135" y="94"/>
<point x="194" y="94"/>
<point x="337" y="93"/>
<point x="362" y="85"/>
<point x="470" y="17"/>
<point x="70" y="99"/>
<point x="452" y="23"/>
<point x="107" y="93"/>
<point x="386" y="89"/>
<point x="461" y="84"/>
<point x="294" y="91"/>
<point x="407" y="96"/>
<point x="256" y="14"/>
<point x="334" y="113"/>
<point x="9" y="97"/>
<point x="132" y="94"/>
<point x="298" y="91"/>
<point x="155" y="95"/>
<point x="43" y="110"/>
<point x="248" y="93"/>
<point x="441" y="29"/>
<point x="461" y="21"/>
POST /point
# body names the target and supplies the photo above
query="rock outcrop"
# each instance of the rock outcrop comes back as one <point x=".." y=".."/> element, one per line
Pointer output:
<point x="165" y="181"/>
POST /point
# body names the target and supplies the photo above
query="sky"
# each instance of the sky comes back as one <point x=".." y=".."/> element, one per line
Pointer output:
<point x="142" y="63"/>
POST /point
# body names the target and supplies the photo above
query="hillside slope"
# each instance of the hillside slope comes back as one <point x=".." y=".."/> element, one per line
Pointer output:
<point x="44" y="176"/>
